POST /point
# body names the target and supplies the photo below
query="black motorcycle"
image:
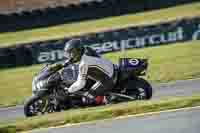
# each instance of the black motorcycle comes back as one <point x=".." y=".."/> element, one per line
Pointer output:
<point x="49" y="94"/>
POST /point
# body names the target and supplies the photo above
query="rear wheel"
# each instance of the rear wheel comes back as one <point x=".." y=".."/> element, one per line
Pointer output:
<point x="139" y="88"/>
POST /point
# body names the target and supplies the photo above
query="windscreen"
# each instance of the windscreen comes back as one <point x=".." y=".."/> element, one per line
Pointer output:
<point x="44" y="73"/>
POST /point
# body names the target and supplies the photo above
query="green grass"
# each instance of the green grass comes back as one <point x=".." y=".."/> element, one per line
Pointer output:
<point x="66" y="30"/>
<point x="98" y="113"/>
<point x="167" y="63"/>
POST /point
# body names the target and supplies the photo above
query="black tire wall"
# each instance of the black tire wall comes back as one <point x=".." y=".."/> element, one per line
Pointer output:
<point x="75" y="13"/>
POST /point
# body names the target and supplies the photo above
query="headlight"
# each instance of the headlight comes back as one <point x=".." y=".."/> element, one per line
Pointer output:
<point x="33" y="85"/>
<point x="41" y="84"/>
<point x="34" y="88"/>
<point x="38" y="85"/>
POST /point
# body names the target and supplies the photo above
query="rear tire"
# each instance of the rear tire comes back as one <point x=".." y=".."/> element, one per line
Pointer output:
<point x="140" y="88"/>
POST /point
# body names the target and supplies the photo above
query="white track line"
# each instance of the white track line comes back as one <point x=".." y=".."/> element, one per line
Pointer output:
<point x="118" y="118"/>
<point x="11" y="108"/>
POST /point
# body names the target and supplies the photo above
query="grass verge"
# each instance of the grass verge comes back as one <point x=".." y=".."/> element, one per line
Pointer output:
<point x="99" y="113"/>
<point x="15" y="84"/>
<point x="66" y="30"/>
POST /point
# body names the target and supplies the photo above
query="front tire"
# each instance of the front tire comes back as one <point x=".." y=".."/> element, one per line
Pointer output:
<point x="139" y="88"/>
<point x="35" y="105"/>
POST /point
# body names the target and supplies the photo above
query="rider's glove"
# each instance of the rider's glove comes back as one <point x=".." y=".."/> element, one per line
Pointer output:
<point x="56" y="67"/>
<point x="66" y="90"/>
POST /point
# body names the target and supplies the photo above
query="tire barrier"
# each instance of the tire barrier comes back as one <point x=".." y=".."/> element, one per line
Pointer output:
<point x="84" y="11"/>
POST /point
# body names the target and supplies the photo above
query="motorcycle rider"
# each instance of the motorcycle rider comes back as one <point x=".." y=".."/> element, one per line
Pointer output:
<point x="90" y="66"/>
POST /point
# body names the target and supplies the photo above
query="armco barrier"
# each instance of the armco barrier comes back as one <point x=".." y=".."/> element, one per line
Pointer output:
<point x="107" y="41"/>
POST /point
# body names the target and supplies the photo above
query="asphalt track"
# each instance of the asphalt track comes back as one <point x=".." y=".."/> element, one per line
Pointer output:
<point x="178" y="88"/>
<point x="185" y="121"/>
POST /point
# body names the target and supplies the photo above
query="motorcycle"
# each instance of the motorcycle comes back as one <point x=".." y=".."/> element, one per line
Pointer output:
<point x="49" y="95"/>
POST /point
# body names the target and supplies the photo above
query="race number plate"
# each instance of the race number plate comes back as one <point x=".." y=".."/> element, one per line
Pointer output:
<point x="133" y="62"/>
<point x="129" y="62"/>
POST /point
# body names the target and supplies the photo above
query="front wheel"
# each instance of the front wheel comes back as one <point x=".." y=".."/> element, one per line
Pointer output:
<point x="37" y="105"/>
<point x="139" y="88"/>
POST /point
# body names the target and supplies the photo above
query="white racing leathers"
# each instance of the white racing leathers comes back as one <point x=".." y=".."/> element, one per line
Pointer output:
<point x="97" y="69"/>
